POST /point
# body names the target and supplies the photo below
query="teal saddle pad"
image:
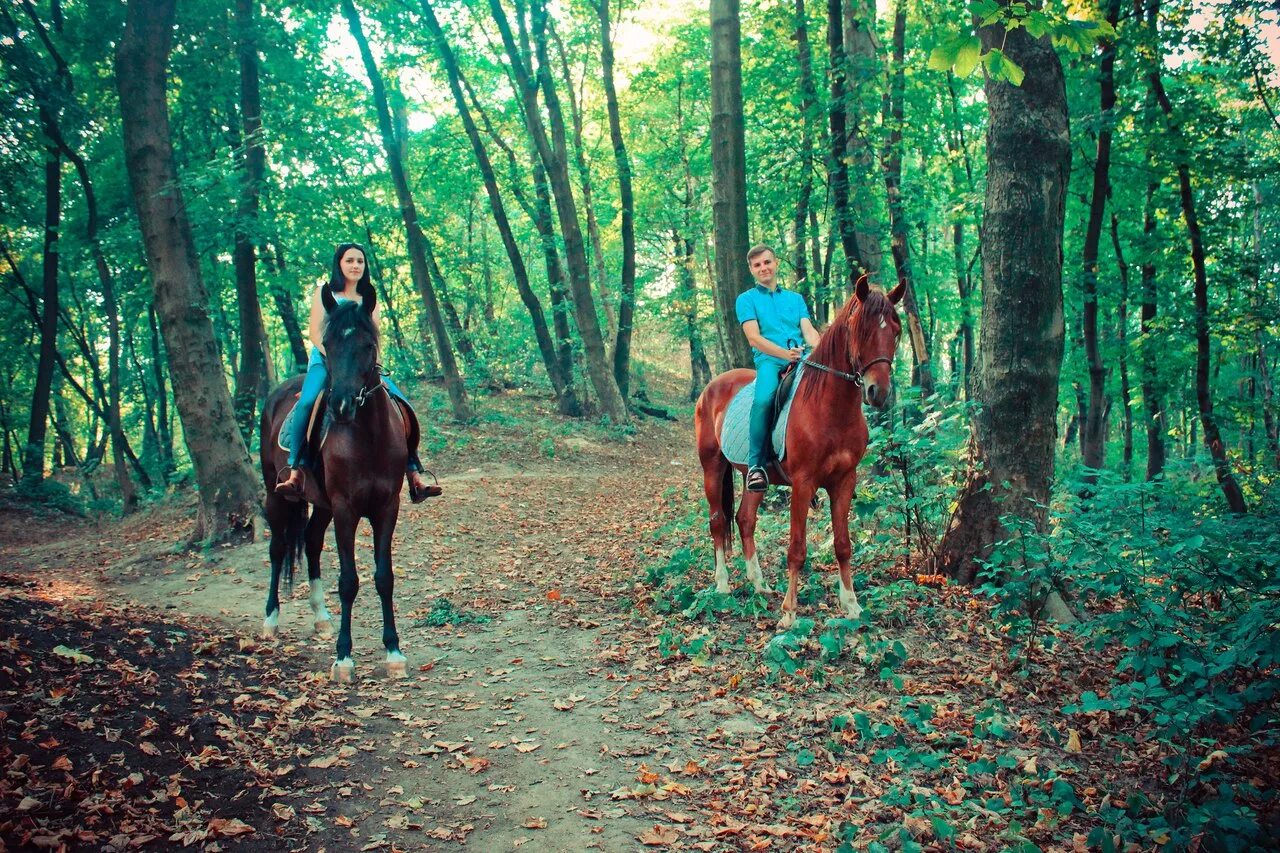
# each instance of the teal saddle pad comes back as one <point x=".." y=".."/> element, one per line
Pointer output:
<point x="736" y="430"/>
<point x="284" y="439"/>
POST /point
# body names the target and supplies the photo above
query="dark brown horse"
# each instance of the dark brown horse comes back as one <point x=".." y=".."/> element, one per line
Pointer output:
<point x="826" y="439"/>
<point x="357" y="474"/>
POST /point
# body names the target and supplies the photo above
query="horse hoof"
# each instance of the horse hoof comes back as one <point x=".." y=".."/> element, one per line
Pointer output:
<point x="324" y="628"/>
<point x="724" y="589"/>
<point x="269" y="631"/>
<point x="787" y="621"/>
<point x="397" y="667"/>
<point x="343" y="671"/>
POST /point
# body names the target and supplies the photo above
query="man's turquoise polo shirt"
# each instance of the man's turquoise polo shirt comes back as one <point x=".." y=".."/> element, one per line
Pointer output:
<point x="778" y="312"/>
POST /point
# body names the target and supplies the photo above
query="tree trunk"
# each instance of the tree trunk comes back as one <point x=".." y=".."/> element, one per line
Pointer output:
<point x="274" y="257"/>
<point x="255" y="377"/>
<point x="864" y="79"/>
<point x="729" y="174"/>
<point x="808" y="103"/>
<point x="229" y="492"/>
<point x="923" y="372"/>
<point x="560" y="307"/>
<point x="1020" y="351"/>
<point x="553" y="153"/>
<point x="1122" y="320"/>
<point x="838" y="168"/>
<point x="1212" y="437"/>
<point x="626" y="200"/>
<point x="1092" y="431"/>
<point x="33" y="452"/>
<point x="417" y="241"/>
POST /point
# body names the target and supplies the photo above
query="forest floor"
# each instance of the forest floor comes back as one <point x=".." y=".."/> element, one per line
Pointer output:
<point x="557" y="695"/>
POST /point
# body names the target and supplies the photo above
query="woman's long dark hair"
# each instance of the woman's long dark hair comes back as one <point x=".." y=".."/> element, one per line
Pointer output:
<point x="338" y="282"/>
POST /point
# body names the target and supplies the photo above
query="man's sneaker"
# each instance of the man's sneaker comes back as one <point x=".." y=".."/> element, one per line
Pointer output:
<point x="757" y="480"/>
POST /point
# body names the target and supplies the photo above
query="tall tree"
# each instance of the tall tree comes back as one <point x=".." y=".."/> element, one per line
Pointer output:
<point x="1092" y="431"/>
<point x="553" y="152"/>
<point x="564" y="390"/>
<point x="894" y="117"/>
<point x="256" y="375"/>
<point x="1204" y="399"/>
<point x="417" y="241"/>
<point x="626" y="200"/>
<point x="729" y="173"/>
<point x="229" y="492"/>
<point x="1020" y="347"/>
<point x="838" y="167"/>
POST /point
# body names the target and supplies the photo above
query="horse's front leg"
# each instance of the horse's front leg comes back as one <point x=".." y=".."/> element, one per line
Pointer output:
<point x="797" y="550"/>
<point x="344" y="529"/>
<point x="276" y="513"/>
<point x="748" y="511"/>
<point x="317" y="526"/>
<point x="841" y="500"/>
<point x="716" y="478"/>
<point x="384" y="524"/>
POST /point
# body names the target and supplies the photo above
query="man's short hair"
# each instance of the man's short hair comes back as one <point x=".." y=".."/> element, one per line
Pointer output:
<point x="760" y="249"/>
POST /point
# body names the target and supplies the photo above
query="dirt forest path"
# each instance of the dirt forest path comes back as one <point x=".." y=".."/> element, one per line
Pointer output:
<point x="534" y="711"/>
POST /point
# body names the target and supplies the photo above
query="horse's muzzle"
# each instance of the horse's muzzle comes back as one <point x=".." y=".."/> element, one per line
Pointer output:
<point x="875" y="394"/>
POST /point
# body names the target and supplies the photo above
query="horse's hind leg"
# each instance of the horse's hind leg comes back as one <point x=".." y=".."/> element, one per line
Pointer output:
<point x="747" y="513"/>
<point x="384" y="581"/>
<point x="797" y="550"/>
<point x="348" y="585"/>
<point x="717" y="476"/>
<point x="317" y="526"/>
<point x="277" y="518"/>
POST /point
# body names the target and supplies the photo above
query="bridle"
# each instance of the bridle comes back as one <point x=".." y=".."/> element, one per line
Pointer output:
<point x="856" y="376"/>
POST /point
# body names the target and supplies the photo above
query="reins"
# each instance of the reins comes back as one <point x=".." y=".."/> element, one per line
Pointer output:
<point x="855" y="377"/>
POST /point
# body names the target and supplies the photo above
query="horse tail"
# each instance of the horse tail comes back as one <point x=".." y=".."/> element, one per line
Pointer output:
<point x="294" y="539"/>
<point x="726" y="506"/>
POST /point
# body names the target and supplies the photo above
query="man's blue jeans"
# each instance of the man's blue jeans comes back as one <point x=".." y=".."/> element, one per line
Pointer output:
<point x="312" y="387"/>
<point x="767" y="372"/>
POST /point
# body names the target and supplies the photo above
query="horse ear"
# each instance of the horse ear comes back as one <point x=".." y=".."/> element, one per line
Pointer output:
<point x="895" y="295"/>
<point x="862" y="288"/>
<point x="326" y="299"/>
<point x="368" y="298"/>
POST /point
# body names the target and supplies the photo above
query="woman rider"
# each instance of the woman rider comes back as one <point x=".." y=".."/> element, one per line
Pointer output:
<point x="349" y="280"/>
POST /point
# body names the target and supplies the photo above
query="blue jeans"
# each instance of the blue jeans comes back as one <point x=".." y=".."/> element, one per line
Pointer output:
<point x="312" y="387"/>
<point x="767" y="371"/>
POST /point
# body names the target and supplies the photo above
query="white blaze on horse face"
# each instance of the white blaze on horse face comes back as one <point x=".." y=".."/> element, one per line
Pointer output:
<point x="754" y="574"/>
<point x="722" y="573"/>
<point x="849" y="601"/>
<point x="884" y="324"/>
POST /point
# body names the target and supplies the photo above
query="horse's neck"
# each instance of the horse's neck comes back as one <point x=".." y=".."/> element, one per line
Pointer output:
<point x="837" y="409"/>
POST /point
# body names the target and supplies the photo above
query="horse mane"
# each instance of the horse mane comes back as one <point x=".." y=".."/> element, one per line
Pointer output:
<point x="850" y="330"/>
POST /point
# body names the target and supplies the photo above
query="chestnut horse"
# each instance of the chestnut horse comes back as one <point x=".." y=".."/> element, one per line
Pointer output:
<point x="826" y="439"/>
<point x="358" y="473"/>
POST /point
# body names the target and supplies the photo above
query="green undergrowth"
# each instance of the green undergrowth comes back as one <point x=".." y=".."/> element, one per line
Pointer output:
<point x="442" y="613"/>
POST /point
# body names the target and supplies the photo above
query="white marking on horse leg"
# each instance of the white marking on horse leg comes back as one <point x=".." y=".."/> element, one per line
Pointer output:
<point x="343" y="671"/>
<point x="319" y="613"/>
<point x="849" y="600"/>
<point x="397" y="665"/>
<point x="788" y="619"/>
<point x="722" y="573"/>
<point x="271" y="625"/>
<point x="755" y="575"/>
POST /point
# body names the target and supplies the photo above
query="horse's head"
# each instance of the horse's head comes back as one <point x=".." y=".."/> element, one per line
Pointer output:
<point x="874" y="329"/>
<point x="351" y="354"/>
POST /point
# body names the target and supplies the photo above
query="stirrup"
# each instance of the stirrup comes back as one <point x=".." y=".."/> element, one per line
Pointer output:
<point x="430" y="490"/>
<point x="757" y="479"/>
<point x="293" y="485"/>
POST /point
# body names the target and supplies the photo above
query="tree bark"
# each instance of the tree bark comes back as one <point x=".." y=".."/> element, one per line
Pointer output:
<point x="1020" y="350"/>
<point x="923" y="372"/>
<point x="1122" y="322"/>
<point x="229" y="492"/>
<point x="626" y="200"/>
<point x="417" y="241"/>
<point x="864" y="80"/>
<point x="808" y="103"/>
<point x="1212" y="437"/>
<point x="553" y="152"/>
<point x="838" y="168"/>
<point x="728" y="174"/>
<point x="1093" y="428"/>
<point x="256" y="376"/>
<point x="33" y="452"/>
